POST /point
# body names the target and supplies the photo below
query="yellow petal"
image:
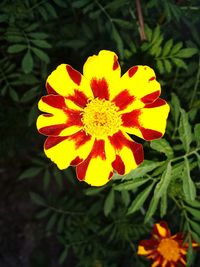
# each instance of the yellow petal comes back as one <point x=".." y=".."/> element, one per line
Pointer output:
<point x="103" y="73"/>
<point x="64" y="80"/>
<point x="149" y="122"/>
<point x="71" y="150"/>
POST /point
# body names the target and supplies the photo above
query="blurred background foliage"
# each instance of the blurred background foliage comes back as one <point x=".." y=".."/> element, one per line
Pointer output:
<point x="48" y="218"/>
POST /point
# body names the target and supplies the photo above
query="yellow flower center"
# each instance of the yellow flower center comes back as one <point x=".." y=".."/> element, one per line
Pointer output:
<point x="169" y="249"/>
<point x="100" y="118"/>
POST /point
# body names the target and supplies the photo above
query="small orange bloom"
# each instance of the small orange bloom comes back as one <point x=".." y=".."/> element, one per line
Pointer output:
<point x="164" y="249"/>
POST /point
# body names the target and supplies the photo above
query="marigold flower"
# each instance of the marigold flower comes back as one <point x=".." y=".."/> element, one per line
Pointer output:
<point x="88" y="117"/>
<point x="164" y="249"/>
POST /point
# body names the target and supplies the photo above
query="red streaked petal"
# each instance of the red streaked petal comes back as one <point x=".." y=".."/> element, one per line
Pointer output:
<point x="100" y="88"/>
<point x="157" y="103"/>
<point x="118" y="165"/>
<point x="115" y="64"/>
<point x="74" y="75"/>
<point x="76" y="161"/>
<point x="161" y="230"/>
<point x="50" y="89"/>
<point x="118" y="140"/>
<point x="123" y="99"/>
<point x="131" y="119"/>
<point x="132" y="71"/>
<point x="79" y="98"/>
<point x="149" y="134"/>
<point x="55" y="101"/>
<point x="150" y="97"/>
<point x="53" y="130"/>
<point x="52" y="141"/>
<point x="98" y="150"/>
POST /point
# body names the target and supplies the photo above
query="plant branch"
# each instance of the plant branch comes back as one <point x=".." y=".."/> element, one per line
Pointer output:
<point x="141" y="21"/>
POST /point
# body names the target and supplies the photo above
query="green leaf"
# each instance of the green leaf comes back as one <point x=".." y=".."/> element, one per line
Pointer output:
<point x="30" y="94"/>
<point x="194" y="212"/>
<point x="175" y="108"/>
<point x="167" y="47"/>
<point x="159" y="64"/>
<point x="187" y="52"/>
<point x="27" y="62"/>
<point x="16" y="48"/>
<point x="162" y="146"/>
<point x="109" y="202"/>
<point x="37" y="199"/>
<point x="162" y="186"/>
<point x="93" y="190"/>
<point x="63" y="255"/>
<point x="197" y="133"/>
<point x="40" y="54"/>
<point x="30" y="173"/>
<point x="123" y="23"/>
<point x="41" y="43"/>
<point x="52" y="221"/>
<point x="194" y="203"/>
<point x="189" y="256"/>
<point x="176" y="48"/>
<point x="185" y="131"/>
<point x="195" y="226"/>
<point x="168" y="65"/>
<point x="43" y="213"/>
<point x="189" y="188"/>
<point x="46" y="179"/>
<point x="140" y="199"/>
<point x="180" y="63"/>
<point x="163" y="205"/>
<point x="125" y="198"/>
<point x="131" y="185"/>
<point x="118" y="40"/>
<point x="151" y="210"/>
<point x="61" y="222"/>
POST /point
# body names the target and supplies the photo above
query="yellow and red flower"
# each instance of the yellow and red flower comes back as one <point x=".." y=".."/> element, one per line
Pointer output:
<point x="164" y="249"/>
<point x="88" y="117"/>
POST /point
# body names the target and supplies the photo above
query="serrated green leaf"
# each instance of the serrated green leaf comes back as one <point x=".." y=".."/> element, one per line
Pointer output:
<point x="162" y="186"/>
<point x="109" y="202"/>
<point x="185" y="131"/>
<point x="179" y="63"/>
<point x="131" y="185"/>
<point x="152" y="209"/>
<point x="30" y="173"/>
<point x="30" y="94"/>
<point x="189" y="255"/>
<point x="194" y="212"/>
<point x="197" y="133"/>
<point x="93" y="191"/>
<point x="162" y="146"/>
<point x="41" y="43"/>
<point x="16" y="48"/>
<point x="176" y="48"/>
<point x="175" y="107"/>
<point x="125" y="197"/>
<point x="27" y="62"/>
<point x="189" y="188"/>
<point x="195" y="226"/>
<point x="160" y="66"/>
<point x="40" y="54"/>
<point x="37" y="199"/>
<point x="123" y="23"/>
<point x="167" y="47"/>
<point x="43" y="213"/>
<point x="63" y="255"/>
<point x="187" y="52"/>
<point x="163" y="205"/>
<point x="51" y="222"/>
<point x="194" y="203"/>
<point x="140" y="199"/>
<point x="167" y="65"/>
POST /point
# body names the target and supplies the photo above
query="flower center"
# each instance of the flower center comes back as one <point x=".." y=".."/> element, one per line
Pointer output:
<point x="169" y="249"/>
<point x="100" y="118"/>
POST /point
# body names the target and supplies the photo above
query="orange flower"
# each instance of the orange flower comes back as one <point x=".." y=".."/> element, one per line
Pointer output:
<point x="88" y="117"/>
<point x="164" y="249"/>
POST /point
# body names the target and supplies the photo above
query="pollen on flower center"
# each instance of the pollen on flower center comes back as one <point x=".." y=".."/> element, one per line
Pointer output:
<point x="169" y="249"/>
<point x="100" y="118"/>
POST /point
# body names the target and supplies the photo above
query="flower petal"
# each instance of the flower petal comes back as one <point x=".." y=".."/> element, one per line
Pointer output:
<point x="140" y="83"/>
<point x="129" y="154"/>
<point x="161" y="230"/>
<point x="103" y="73"/>
<point x="69" y="150"/>
<point x="96" y="169"/>
<point x="67" y="81"/>
<point x="149" y="122"/>
<point x="60" y="120"/>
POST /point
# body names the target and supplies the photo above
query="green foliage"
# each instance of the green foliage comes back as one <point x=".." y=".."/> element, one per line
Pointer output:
<point x="101" y="226"/>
